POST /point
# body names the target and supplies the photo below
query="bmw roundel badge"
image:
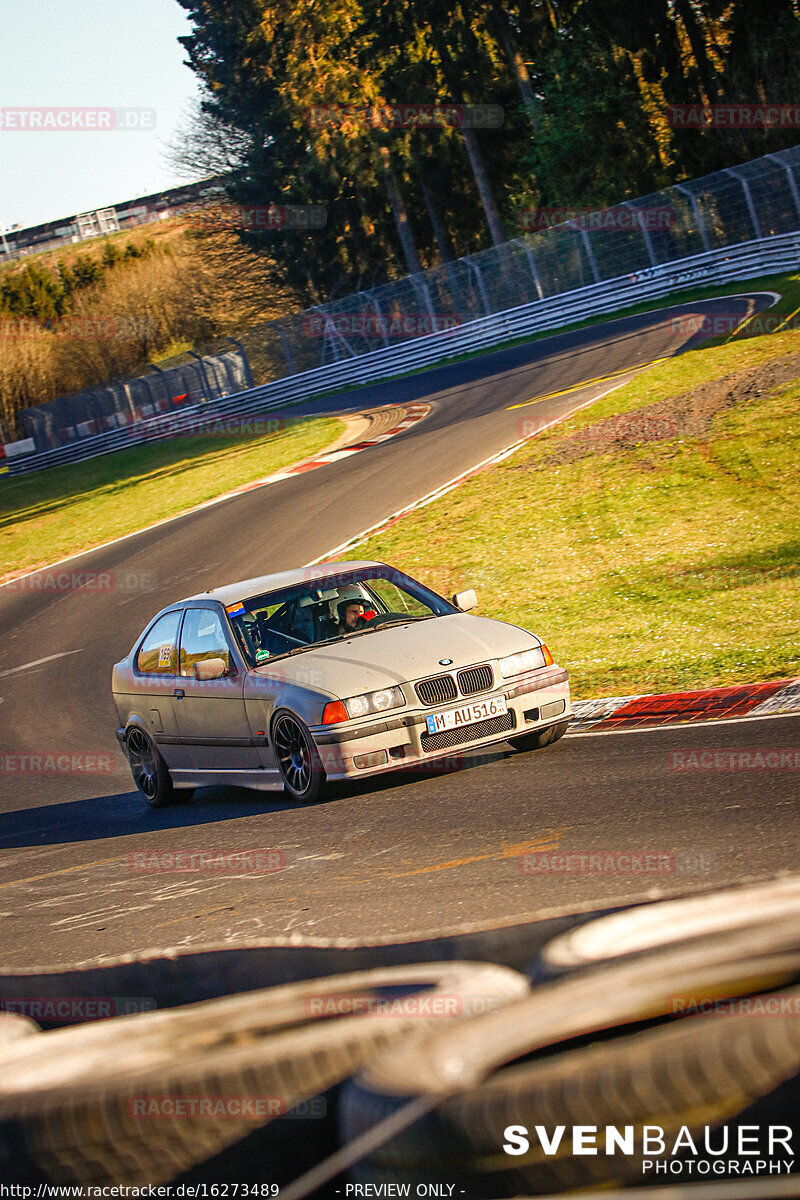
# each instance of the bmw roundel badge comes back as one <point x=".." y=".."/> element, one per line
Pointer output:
<point x="445" y="662"/>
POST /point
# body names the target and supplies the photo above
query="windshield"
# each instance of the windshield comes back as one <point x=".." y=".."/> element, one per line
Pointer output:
<point x="328" y="608"/>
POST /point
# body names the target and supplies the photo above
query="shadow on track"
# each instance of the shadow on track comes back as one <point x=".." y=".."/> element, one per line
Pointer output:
<point x="124" y="814"/>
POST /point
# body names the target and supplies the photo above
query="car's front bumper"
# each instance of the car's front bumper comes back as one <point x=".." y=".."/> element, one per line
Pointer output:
<point x="398" y="742"/>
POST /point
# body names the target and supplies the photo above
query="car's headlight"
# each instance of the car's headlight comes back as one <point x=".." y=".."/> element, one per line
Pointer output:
<point x="526" y="660"/>
<point x="362" y="706"/>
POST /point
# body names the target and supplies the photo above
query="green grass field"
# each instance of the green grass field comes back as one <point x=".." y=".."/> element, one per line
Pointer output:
<point x="49" y="514"/>
<point x="652" y="551"/>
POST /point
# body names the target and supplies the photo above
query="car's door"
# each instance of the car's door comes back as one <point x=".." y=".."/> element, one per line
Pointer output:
<point x="154" y="675"/>
<point x="211" y="713"/>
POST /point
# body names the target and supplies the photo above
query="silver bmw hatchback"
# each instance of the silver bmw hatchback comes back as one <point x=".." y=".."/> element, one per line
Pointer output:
<point x="325" y="673"/>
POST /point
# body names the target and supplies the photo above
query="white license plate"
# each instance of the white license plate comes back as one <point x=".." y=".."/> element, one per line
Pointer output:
<point x="468" y="714"/>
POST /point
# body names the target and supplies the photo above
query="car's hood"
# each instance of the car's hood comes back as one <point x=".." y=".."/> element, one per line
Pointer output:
<point x="402" y="652"/>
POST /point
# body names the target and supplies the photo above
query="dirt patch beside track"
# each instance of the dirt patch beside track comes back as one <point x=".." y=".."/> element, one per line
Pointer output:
<point x="688" y="415"/>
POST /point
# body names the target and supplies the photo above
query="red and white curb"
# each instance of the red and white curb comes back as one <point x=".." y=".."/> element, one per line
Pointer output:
<point x="673" y="708"/>
<point x="414" y="413"/>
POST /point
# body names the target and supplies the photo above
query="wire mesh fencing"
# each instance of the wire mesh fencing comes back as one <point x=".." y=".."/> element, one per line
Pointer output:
<point x="557" y="252"/>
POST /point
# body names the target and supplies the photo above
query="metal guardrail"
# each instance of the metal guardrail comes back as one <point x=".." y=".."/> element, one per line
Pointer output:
<point x="762" y="256"/>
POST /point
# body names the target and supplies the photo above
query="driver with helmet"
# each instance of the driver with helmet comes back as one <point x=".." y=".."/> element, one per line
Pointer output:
<point x="353" y="614"/>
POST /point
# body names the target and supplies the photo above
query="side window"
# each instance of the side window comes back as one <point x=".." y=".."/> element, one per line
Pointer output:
<point x="158" y="652"/>
<point x="202" y="637"/>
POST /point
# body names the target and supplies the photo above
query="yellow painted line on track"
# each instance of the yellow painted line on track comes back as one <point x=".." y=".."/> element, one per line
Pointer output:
<point x="64" y="871"/>
<point x="514" y="851"/>
<point x="577" y="387"/>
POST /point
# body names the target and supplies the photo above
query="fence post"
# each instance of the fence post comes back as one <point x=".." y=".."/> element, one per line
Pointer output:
<point x="648" y="241"/>
<point x="698" y="216"/>
<point x="248" y="374"/>
<point x="791" y="180"/>
<point x="534" y="269"/>
<point x="206" y="388"/>
<point x="379" y="315"/>
<point x="473" y="266"/>
<point x="165" y="378"/>
<point x="287" y="349"/>
<point x="748" y="197"/>
<point x="587" y="246"/>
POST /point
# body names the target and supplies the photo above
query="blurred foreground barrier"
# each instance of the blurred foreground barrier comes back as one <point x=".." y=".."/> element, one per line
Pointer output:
<point x="142" y="1099"/>
<point x="703" y="1058"/>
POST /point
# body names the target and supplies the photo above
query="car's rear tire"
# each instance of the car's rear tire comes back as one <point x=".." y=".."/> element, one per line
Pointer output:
<point x="540" y="737"/>
<point x="150" y="773"/>
<point x="299" y="762"/>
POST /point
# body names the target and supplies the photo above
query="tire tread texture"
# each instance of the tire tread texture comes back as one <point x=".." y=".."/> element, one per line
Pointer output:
<point x="66" y="1104"/>
<point x="696" y="1071"/>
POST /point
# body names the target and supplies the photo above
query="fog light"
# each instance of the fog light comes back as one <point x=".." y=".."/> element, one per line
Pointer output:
<point x="378" y="758"/>
<point x="553" y="709"/>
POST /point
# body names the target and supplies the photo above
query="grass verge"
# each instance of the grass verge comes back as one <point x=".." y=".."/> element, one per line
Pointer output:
<point x="653" y="539"/>
<point x="49" y="514"/>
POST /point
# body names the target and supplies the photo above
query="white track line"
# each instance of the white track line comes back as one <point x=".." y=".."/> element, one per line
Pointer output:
<point x="38" y="662"/>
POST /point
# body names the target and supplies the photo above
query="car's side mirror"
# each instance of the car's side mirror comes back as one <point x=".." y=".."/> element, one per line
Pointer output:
<point x="210" y="668"/>
<point x="466" y="600"/>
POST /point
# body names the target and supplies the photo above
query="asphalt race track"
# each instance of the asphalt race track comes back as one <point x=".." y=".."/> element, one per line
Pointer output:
<point x="400" y="855"/>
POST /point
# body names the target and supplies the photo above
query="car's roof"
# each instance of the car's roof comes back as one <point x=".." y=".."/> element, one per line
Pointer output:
<point x="229" y="593"/>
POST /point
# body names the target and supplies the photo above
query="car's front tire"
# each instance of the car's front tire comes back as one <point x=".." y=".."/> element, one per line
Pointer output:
<point x="540" y="737"/>
<point x="150" y="772"/>
<point x="298" y="758"/>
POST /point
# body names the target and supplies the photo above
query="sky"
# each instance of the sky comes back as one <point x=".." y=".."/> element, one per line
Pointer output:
<point x="93" y="54"/>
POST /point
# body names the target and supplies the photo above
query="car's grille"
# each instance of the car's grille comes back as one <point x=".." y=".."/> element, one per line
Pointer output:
<point x="467" y="733"/>
<point x="475" y="679"/>
<point x="436" y="690"/>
